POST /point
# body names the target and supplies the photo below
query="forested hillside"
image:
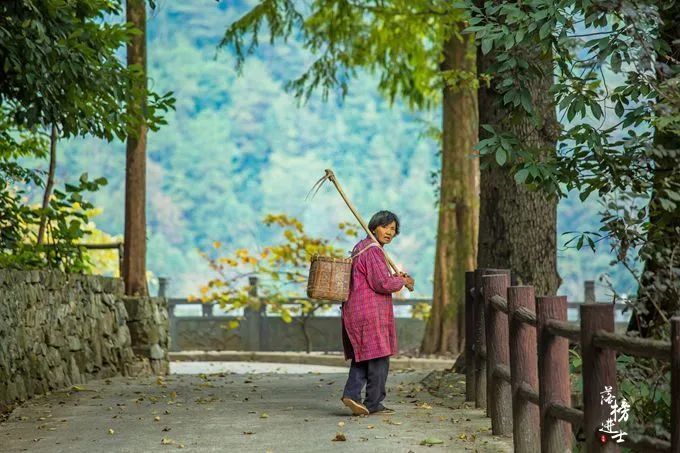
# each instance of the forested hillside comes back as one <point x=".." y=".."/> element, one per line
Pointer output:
<point x="238" y="147"/>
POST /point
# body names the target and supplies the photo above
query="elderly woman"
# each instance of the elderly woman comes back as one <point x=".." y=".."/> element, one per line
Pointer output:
<point x="369" y="334"/>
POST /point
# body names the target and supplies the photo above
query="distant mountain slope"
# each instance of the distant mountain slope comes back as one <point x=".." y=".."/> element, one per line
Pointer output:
<point x="240" y="147"/>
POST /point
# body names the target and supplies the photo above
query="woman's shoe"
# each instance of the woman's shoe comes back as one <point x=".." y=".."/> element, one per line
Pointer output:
<point x="382" y="410"/>
<point x="357" y="408"/>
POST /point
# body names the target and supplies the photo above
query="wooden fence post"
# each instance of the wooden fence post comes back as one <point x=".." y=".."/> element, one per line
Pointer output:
<point x="480" y="342"/>
<point x="675" y="384"/>
<point x="599" y="370"/>
<point x="523" y="370"/>
<point x="589" y="292"/>
<point x="553" y="374"/>
<point x="480" y="338"/>
<point x="469" y="337"/>
<point x="499" y="399"/>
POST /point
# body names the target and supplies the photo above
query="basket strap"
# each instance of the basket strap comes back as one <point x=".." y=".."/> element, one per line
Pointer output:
<point x="372" y="244"/>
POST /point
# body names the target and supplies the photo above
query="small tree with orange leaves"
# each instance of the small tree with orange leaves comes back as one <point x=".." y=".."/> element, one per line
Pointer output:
<point x="281" y="270"/>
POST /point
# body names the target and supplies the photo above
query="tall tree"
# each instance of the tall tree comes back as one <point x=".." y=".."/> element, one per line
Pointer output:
<point x="49" y="185"/>
<point x="616" y="82"/>
<point x="517" y="226"/>
<point x="659" y="293"/>
<point x="59" y="69"/>
<point x="459" y="195"/>
<point x="134" y="254"/>
<point x="404" y="41"/>
<point x="619" y="141"/>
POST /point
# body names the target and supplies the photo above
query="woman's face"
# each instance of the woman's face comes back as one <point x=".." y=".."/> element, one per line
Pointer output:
<point x="385" y="234"/>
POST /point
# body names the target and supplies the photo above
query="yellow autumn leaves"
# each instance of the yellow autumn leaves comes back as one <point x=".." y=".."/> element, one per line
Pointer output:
<point x="281" y="269"/>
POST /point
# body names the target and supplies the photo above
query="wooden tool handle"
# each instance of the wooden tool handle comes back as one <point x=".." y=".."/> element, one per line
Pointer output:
<point x="331" y="176"/>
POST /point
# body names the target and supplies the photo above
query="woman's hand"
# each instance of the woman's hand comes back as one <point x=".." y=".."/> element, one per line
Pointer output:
<point x="408" y="280"/>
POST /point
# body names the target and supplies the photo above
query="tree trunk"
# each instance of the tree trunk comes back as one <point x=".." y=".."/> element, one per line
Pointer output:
<point x="305" y="331"/>
<point x="49" y="185"/>
<point x="134" y="256"/>
<point x="659" y="293"/>
<point x="518" y="227"/>
<point x="458" y="201"/>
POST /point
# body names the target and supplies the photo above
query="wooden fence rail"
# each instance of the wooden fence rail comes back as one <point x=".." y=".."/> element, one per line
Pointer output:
<point x="517" y="352"/>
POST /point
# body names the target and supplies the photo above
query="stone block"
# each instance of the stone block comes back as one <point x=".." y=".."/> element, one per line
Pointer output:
<point x="156" y="352"/>
<point x="11" y="392"/>
<point x="74" y="343"/>
<point x="36" y="276"/>
<point x="53" y="357"/>
<point x="56" y="339"/>
<point x="109" y="299"/>
<point x="74" y="371"/>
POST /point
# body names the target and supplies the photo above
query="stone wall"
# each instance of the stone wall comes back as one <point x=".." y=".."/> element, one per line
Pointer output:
<point x="148" y="324"/>
<point x="272" y="334"/>
<point x="58" y="330"/>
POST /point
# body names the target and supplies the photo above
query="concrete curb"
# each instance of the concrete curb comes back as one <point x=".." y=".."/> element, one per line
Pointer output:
<point x="396" y="363"/>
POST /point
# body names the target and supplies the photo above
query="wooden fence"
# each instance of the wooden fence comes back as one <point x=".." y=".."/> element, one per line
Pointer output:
<point x="523" y="381"/>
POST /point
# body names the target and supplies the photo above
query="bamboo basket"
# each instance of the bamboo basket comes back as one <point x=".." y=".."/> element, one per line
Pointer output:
<point x="329" y="278"/>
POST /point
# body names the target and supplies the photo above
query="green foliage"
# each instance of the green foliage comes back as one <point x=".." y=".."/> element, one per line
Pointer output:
<point x="265" y="153"/>
<point x="616" y="91"/>
<point x="59" y="66"/>
<point x="67" y="219"/>
<point x="649" y="399"/>
<point x="400" y="40"/>
<point x="616" y="83"/>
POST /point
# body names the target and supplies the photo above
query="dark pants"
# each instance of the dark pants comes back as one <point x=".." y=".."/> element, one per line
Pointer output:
<point x="372" y="374"/>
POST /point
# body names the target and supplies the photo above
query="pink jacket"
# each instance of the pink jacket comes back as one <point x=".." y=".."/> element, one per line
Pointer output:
<point x="367" y="315"/>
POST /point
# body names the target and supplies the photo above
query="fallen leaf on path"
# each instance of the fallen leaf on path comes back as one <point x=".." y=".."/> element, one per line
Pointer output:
<point x="341" y="424"/>
<point x="166" y="429"/>
<point x="264" y="415"/>
<point x="167" y="441"/>
<point x="248" y="432"/>
<point x="423" y="406"/>
<point x="431" y="441"/>
<point x="111" y="431"/>
<point x="339" y="437"/>
<point x="370" y="427"/>
<point x="77" y="388"/>
<point x="156" y="418"/>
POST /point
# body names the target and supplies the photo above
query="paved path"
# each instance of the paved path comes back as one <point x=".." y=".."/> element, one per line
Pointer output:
<point x="228" y="412"/>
